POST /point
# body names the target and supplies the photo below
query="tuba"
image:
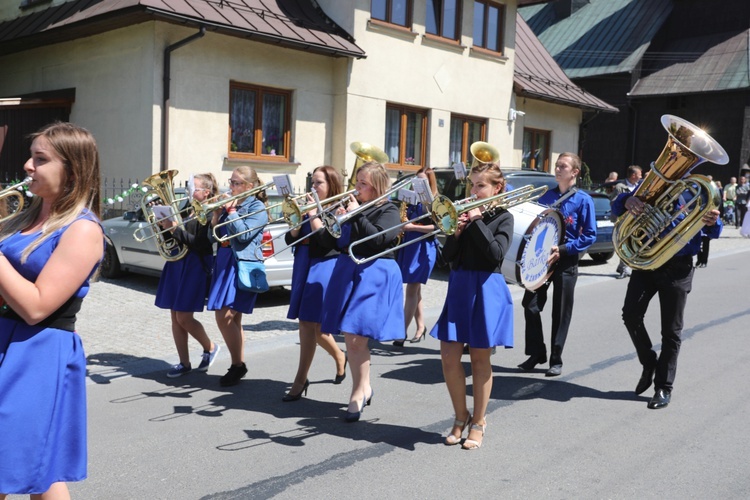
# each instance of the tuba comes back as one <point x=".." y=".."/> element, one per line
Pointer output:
<point x="365" y="152"/>
<point x="652" y="238"/>
<point x="160" y="185"/>
<point x="483" y="152"/>
<point x="12" y="200"/>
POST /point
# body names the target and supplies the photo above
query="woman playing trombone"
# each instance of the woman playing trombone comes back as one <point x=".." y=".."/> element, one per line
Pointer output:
<point x="417" y="261"/>
<point x="478" y="309"/>
<point x="314" y="259"/>
<point x="359" y="293"/>
<point x="244" y="218"/>
<point x="184" y="283"/>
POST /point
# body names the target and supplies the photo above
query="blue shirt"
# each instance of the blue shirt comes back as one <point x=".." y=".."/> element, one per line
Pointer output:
<point x="579" y="217"/>
<point x="694" y="245"/>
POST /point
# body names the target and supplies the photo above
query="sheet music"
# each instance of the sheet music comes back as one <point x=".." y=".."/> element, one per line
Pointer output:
<point x="422" y="189"/>
<point x="407" y="195"/>
<point x="164" y="212"/>
<point x="283" y="184"/>
<point x="460" y="170"/>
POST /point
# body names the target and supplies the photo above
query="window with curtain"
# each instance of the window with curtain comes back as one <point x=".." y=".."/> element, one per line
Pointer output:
<point x="443" y="18"/>
<point x="536" y="149"/>
<point x="488" y="25"/>
<point x="405" y="135"/>
<point x="392" y="11"/>
<point x="464" y="132"/>
<point x="259" y="122"/>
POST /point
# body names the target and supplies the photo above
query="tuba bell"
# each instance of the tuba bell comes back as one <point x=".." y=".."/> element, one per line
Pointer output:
<point x="483" y="152"/>
<point x="655" y="236"/>
<point x="160" y="185"/>
<point x="365" y="152"/>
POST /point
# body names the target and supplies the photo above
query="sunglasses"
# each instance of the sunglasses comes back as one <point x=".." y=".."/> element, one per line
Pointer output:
<point x="236" y="183"/>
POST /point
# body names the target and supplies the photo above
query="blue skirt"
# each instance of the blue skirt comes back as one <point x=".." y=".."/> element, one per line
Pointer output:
<point x="365" y="299"/>
<point x="318" y="278"/>
<point x="478" y="310"/>
<point x="300" y="270"/>
<point x="417" y="260"/>
<point x="42" y="407"/>
<point x="223" y="291"/>
<point x="184" y="284"/>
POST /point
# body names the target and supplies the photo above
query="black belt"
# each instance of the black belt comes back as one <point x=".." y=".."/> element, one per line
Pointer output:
<point x="62" y="319"/>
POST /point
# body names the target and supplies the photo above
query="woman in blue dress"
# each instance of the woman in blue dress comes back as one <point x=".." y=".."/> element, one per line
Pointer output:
<point x="314" y="259"/>
<point x="245" y="219"/>
<point x="48" y="253"/>
<point x="365" y="301"/>
<point x="478" y="309"/>
<point x="417" y="261"/>
<point x="184" y="283"/>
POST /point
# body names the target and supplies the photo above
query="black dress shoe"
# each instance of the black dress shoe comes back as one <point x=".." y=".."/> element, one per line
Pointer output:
<point x="531" y="363"/>
<point x="645" y="381"/>
<point x="660" y="400"/>
<point x="554" y="371"/>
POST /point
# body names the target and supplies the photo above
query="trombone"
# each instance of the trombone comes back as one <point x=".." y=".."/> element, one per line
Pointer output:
<point x="333" y="222"/>
<point x="444" y="214"/>
<point x="13" y="191"/>
<point x="202" y="210"/>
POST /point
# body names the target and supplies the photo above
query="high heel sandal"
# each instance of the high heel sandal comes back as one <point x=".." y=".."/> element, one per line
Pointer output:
<point x="473" y="444"/>
<point x="340" y="378"/>
<point x="400" y="343"/>
<point x="296" y="397"/>
<point x="419" y="337"/>
<point x="451" y="440"/>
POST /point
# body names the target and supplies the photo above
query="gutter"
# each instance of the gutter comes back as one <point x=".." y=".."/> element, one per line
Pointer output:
<point x="167" y="78"/>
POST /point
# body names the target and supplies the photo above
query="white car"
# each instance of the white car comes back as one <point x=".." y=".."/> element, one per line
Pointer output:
<point x="125" y="254"/>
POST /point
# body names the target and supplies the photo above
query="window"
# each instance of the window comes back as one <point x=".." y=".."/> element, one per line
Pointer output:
<point x="488" y="25"/>
<point x="405" y="135"/>
<point x="443" y="18"/>
<point x="258" y="122"/>
<point x="392" y="11"/>
<point x="536" y="149"/>
<point x="464" y="132"/>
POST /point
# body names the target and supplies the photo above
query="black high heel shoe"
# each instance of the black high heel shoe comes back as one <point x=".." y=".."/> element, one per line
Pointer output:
<point x="342" y="377"/>
<point x="296" y="397"/>
<point x="400" y="343"/>
<point x="419" y="337"/>
<point x="354" y="416"/>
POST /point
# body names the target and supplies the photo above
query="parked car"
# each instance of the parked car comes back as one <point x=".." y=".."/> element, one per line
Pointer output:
<point x="125" y="254"/>
<point x="603" y="249"/>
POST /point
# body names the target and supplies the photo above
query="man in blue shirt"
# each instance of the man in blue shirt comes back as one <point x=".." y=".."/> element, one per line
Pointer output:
<point x="673" y="281"/>
<point x="579" y="217"/>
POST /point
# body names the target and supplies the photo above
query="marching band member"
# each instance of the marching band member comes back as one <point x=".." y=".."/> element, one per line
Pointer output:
<point x="224" y="297"/>
<point x="184" y="283"/>
<point x="579" y="216"/>
<point x="365" y="301"/>
<point x="416" y="262"/>
<point x="48" y="254"/>
<point x="478" y="309"/>
<point x="314" y="259"/>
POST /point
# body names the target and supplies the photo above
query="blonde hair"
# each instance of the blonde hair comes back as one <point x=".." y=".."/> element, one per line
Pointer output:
<point x="249" y="174"/>
<point x="378" y="177"/>
<point x="575" y="160"/>
<point x="208" y="181"/>
<point x="77" y="150"/>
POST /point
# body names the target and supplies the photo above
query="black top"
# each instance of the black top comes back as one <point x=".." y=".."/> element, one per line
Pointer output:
<point x="321" y="243"/>
<point x="483" y="243"/>
<point x="374" y="220"/>
<point x="195" y="236"/>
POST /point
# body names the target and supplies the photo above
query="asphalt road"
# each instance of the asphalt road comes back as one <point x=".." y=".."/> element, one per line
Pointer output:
<point x="582" y="435"/>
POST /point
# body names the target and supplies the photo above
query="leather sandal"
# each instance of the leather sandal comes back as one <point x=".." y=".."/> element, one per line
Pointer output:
<point x="472" y="444"/>
<point x="451" y="440"/>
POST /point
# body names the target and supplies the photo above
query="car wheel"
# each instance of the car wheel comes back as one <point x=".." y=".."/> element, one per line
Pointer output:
<point x="110" y="267"/>
<point x="602" y="257"/>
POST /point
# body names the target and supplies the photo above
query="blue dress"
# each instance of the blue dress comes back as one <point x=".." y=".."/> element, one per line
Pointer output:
<point x="366" y="299"/>
<point x="184" y="283"/>
<point x="417" y="260"/>
<point x="42" y="390"/>
<point x="300" y="270"/>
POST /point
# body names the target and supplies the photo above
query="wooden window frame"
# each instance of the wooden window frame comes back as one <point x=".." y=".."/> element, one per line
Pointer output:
<point x="403" y="110"/>
<point x="466" y="120"/>
<point x="258" y="134"/>
<point x="456" y="21"/>
<point x="500" y="25"/>
<point x="534" y="133"/>
<point x="389" y="14"/>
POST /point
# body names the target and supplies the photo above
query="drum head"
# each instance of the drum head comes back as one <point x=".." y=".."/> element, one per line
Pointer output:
<point x="545" y="231"/>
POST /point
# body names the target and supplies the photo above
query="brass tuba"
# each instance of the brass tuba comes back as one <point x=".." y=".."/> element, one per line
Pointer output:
<point x="646" y="241"/>
<point x="365" y="152"/>
<point x="160" y="185"/>
<point x="483" y="152"/>
<point x="12" y="200"/>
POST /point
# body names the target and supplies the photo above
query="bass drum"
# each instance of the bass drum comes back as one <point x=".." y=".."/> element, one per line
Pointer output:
<point x="536" y="229"/>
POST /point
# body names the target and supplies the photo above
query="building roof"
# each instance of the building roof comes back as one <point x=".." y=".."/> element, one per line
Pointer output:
<point x="711" y="63"/>
<point x="538" y="76"/>
<point x="298" y="24"/>
<point x="602" y="37"/>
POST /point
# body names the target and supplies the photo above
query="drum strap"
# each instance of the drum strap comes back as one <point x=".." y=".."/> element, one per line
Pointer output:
<point x="564" y="197"/>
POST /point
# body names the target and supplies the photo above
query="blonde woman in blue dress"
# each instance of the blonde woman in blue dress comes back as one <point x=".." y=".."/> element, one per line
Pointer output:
<point x="48" y="254"/>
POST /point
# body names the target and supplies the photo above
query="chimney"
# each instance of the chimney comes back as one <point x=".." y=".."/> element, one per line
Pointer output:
<point x="566" y="8"/>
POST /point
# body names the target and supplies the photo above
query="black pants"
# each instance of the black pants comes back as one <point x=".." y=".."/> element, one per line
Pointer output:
<point x="740" y="209"/>
<point x="703" y="254"/>
<point x="672" y="281"/>
<point x="564" y="283"/>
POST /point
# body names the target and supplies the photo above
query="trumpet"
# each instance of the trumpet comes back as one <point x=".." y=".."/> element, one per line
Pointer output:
<point x="333" y="222"/>
<point x="10" y="209"/>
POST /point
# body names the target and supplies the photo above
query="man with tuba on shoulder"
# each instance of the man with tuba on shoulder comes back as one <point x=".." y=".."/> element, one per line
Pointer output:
<point x="672" y="281"/>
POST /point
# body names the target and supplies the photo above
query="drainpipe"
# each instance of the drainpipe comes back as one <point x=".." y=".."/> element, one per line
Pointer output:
<point x="167" y="78"/>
